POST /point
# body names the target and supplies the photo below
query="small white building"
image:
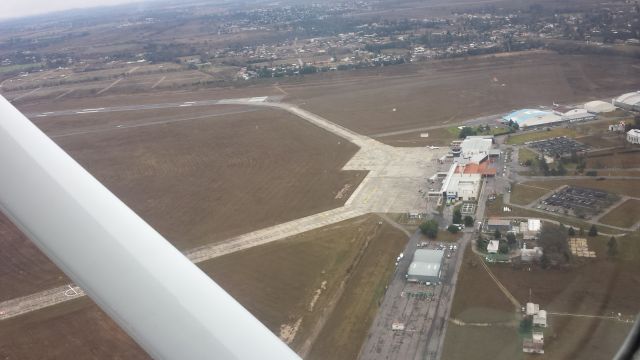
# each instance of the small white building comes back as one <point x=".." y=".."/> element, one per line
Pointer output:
<point x="532" y="309"/>
<point x="476" y="145"/>
<point x="540" y="319"/>
<point x="530" y="255"/>
<point x="633" y="136"/>
<point x="493" y="246"/>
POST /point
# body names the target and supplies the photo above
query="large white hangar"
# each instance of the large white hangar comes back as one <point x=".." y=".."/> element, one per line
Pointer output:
<point x="526" y="118"/>
<point x="425" y="267"/>
<point x="598" y="106"/>
<point x="628" y="101"/>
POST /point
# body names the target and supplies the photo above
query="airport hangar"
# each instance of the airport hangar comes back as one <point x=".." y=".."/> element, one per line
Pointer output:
<point x="628" y="101"/>
<point x="426" y="266"/>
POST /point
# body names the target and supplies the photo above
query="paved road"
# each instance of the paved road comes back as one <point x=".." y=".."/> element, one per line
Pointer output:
<point x="424" y="318"/>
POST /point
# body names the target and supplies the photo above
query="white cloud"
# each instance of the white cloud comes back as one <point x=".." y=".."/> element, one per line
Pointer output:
<point x="19" y="8"/>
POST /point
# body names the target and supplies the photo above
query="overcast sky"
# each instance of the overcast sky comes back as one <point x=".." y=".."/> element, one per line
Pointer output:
<point x="19" y="8"/>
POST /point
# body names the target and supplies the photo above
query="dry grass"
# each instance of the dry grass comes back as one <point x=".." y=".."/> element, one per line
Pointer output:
<point x="625" y="215"/>
<point x="276" y="282"/>
<point x="540" y="135"/>
<point x="522" y="194"/>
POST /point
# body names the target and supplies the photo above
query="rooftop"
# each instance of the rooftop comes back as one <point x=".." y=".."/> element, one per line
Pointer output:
<point x="426" y="262"/>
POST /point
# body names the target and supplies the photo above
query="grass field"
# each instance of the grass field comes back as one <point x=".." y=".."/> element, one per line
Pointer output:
<point x="540" y="135"/>
<point x="620" y="161"/>
<point x="478" y="299"/>
<point x="347" y="327"/>
<point x="482" y="343"/>
<point x="76" y="329"/>
<point x="450" y="91"/>
<point x="522" y="194"/>
<point x="625" y="215"/>
<point x="525" y="154"/>
<point x="297" y="278"/>
<point x="196" y="181"/>
<point x="617" y="186"/>
<point x="23" y="268"/>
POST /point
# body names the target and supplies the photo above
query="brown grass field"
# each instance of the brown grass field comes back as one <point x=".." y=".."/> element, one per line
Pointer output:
<point x="276" y="282"/>
<point x="522" y="194"/>
<point x="478" y="299"/>
<point x="23" y="268"/>
<point x="447" y="92"/>
<point x="196" y="181"/>
<point x="617" y="186"/>
<point x="625" y="215"/>
<point x="596" y="287"/>
<point x="619" y="161"/>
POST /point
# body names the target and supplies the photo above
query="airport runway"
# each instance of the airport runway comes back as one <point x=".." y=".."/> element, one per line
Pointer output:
<point x="395" y="183"/>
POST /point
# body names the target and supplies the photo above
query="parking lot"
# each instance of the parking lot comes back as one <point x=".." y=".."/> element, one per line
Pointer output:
<point x="577" y="201"/>
<point x="561" y="146"/>
<point x="410" y="321"/>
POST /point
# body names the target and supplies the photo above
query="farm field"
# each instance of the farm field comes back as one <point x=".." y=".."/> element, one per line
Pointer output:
<point x="617" y="186"/>
<point x="625" y="215"/>
<point x="448" y="92"/>
<point x="482" y="343"/>
<point x="296" y="279"/>
<point x="198" y="181"/>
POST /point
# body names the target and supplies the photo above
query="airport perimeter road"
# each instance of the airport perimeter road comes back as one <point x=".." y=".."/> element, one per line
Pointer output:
<point x="423" y="309"/>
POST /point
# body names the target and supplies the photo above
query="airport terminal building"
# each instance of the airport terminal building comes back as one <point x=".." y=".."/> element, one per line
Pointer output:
<point x="426" y="266"/>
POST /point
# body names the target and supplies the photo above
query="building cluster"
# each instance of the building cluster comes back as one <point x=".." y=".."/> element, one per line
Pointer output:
<point x="471" y="162"/>
<point x="527" y="231"/>
<point x="533" y="343"/>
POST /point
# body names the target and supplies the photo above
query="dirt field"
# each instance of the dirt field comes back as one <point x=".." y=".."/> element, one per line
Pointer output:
<point x="197" y="181"/>
<point x="297" y="278"/>
<point x="625" y="215"/>
<point x="447" y="92"/>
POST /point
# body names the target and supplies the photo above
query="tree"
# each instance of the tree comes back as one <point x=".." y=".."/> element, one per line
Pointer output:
<point x="571" y="231"/>
<point x="593" y="231"/>
<point x="497" y="234"/>
<point x="503" y="248"/>
<point x="457" y="216"/>
<point x="482" y="243"/>
<point x="468" y="221"/>
<point x="466" y="131"/>
<point x="553" y="241"/>
<point x="612" y="247"/>
<point x="511" y="239"/>
<point x="453" y="229"/>
<point x="430" y="228"/>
